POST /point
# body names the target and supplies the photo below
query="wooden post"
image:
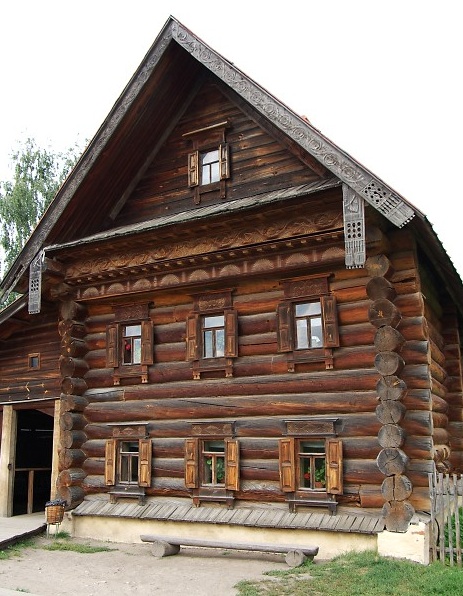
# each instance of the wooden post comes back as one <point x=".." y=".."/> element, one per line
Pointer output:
<point x="7" y="463"/>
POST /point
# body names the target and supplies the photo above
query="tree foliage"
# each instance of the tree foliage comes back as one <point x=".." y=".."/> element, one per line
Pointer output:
<point x="38" y="175"/>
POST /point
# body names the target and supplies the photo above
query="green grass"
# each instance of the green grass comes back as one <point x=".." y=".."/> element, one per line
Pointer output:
<point x="65" y="544"/>
<point x="16" y="549"/>
<point x="359" y="574"/>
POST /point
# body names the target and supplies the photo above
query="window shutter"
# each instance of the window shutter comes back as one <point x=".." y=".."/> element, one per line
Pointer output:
<point x="191" y="463"/>
<point x="330" y="322"/>
<point x="110" y="463"/>
<point x="232" y="459"/>
<point x="334" y="466"/>
<point x="192" y="348"/>
<point x="224" y="161"/>
<point x="147" y="342"/>
<point x="144" y="462"/>
<point x="287" y="471"/>
<point x="284" y="331"/>
<point x="231" y="333"/>
<point x="193" y="168"/>
<point x="112" y="344"/>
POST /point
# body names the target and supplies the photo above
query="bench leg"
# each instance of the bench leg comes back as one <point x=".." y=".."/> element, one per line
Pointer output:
<point x="164" y="549"/>
<point x="295" y="558"/>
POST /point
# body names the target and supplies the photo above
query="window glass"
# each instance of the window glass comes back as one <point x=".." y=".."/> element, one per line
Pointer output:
<point x="308" y="325"/>
<point x="213" y="336"/>
<point x="131" y="344"/>
<point x="128" y="462"/>
<point x="210" y="171"/>
<point x="213" y="469"/>
<point x="312" y="465"/>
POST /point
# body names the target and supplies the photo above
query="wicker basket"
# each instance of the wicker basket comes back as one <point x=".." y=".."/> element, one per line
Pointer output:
<point x="55" y="514"/>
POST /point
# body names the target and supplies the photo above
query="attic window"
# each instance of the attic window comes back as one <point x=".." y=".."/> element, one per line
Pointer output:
<point x="209" y="162"/>
<point x="33" y="361"/>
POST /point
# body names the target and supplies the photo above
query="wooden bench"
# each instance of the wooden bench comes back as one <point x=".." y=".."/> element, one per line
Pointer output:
<point x="164" y="546"/>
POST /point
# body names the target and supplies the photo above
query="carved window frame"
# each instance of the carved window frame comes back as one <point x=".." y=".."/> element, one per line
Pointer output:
<point x="205" y="305"/>
<point x="201" y="433"/>
<point x="205" y="140"/>
<point x="302" y="290"/>
<point x="315" y="430"/>
<point x="137" y="314"/>
<point x="113" y="457"/>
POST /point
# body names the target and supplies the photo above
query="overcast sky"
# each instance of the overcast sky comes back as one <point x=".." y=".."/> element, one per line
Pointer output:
<point x="381" y="79"/>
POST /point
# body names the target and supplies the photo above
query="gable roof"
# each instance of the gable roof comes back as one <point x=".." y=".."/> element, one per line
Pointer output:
<point x="74" y="206"/>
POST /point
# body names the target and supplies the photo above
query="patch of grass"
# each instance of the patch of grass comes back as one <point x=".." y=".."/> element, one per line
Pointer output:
<point x="360" y="574"/>
<point x="76" y="547"/>
<point x="16" y="549"/>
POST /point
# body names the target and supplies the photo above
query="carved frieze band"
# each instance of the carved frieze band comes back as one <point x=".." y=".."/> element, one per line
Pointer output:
<point x="187" y="248"/>
<point x="211" y="272"/>
<point x="382" y="198"/>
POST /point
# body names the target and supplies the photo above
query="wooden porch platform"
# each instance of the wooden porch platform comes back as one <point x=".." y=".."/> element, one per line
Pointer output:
<point x="242" y="516"/>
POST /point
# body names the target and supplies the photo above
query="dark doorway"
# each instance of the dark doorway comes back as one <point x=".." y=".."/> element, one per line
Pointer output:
<point x="34" y="448"/>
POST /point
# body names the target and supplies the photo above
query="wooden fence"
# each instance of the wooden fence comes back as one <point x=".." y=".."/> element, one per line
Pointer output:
<point x="446" y="508"/>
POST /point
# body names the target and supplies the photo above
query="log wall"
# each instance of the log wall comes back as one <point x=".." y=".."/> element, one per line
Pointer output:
<point x="262" y="394"/>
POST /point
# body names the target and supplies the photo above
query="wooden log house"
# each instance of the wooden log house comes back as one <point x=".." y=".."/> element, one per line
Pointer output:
<point x="223" y="309"/>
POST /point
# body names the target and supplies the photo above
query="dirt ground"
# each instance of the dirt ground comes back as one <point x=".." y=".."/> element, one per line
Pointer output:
<point x="131" y="569"/>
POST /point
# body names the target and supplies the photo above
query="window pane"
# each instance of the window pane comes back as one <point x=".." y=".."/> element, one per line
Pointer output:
<point x="209" y="157"/>
<point x="214" y="321"/>
<point x="214" y="446"/>
<point x="132" y="330"/>
<point x="208" y="346"/>
<point x="127" y="351"/>
<point x="308" y="309"/>
<point x="316" y="332"/>
<point x="302" y="336"/>
<point x="136" y="358"/>
<point x="220" y="343"/>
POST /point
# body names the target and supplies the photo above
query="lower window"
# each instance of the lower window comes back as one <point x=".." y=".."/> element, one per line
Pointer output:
<point x="128" y="462"/>
<point x="212" y="469"/>
<point x="310" y="465"/>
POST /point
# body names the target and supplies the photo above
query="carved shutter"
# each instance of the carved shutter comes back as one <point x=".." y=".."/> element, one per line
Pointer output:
<point x="231" y="333"/>
<point x="147" y="342"/>
<point x="112" y="344"/>
<point x="110" y="462"/>
<point x="232" y="459"/>
<point x="193" y="168"/>
<point x="144" y="462"/>
<point x="284" y="331"/>
<point x="330" y="322"/>
<point x="192" y="347"/>
<point x="287" y="471"/>
<point x="334" y="466"/>
<point x="191" y="463"/>
<point x="224" y="161"/>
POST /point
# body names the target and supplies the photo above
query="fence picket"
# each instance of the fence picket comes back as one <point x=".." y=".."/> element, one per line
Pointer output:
<point x="445" y="497"/>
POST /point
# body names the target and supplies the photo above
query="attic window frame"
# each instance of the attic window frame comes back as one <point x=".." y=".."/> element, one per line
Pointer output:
<point x="205" y="140"/>
<point x="33" y="361"/>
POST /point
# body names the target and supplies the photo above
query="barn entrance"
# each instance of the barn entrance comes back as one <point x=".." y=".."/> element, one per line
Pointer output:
<point x="33" y="461"/>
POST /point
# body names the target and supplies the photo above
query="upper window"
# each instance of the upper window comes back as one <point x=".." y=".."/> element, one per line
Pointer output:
<point x="129" y="343"/>
<point x="212" y="337"/>
<point x="307" y="322"/>
<point x="308" y="325"/>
